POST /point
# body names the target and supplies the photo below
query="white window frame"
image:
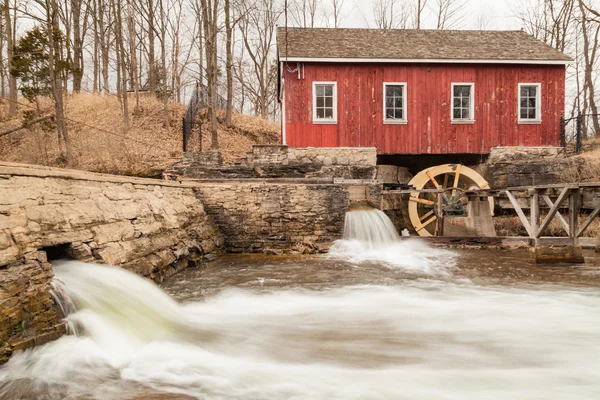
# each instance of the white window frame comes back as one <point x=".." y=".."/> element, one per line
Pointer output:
<point x="404" y="120"/>
<point x="459" y="121"/>
<point x="538" y="104"/>
<point x="314" y="97"/>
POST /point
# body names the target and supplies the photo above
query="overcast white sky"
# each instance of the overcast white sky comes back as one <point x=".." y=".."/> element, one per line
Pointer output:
<point x="498" y="14"/>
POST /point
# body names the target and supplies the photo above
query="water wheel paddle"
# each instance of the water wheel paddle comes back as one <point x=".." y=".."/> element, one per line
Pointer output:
<point x="454" y="179"/>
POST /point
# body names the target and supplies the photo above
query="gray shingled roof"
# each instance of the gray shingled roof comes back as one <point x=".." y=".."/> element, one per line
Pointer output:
<point x="407" y="44"/>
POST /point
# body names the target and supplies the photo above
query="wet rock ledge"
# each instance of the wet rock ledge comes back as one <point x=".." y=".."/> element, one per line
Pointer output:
<point x="153" y="228"/>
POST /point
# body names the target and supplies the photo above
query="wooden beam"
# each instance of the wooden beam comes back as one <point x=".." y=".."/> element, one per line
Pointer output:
<point x="535" y="211"/>
<point x="520" y="213"/>
<point x="561" y="219"/>
<point x="440" y="213"/>
<point x="553" y="211"/>
<point x="588" y="222"/>
<point x="574" y="207"/>
<point x="422" y="201"/>
<point x="429" y="221"/>
<point x="456" y="180"/>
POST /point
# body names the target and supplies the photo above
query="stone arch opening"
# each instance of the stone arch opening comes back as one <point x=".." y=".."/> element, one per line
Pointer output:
<point x="58" y="252"/>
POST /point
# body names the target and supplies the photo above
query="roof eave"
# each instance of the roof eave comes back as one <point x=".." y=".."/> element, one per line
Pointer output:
<point x="423" y="61"/>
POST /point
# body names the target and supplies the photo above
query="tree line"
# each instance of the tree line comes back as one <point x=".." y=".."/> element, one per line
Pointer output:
<point x="573" y="27"/>
<point x="127" y="47"/>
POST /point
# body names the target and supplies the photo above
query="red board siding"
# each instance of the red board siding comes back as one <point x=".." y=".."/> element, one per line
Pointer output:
<point x="428" y="131"/>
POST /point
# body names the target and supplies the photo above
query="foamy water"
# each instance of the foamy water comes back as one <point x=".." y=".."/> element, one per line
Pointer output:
<point x="370" y="236"/>
<point x="426" y="339"/>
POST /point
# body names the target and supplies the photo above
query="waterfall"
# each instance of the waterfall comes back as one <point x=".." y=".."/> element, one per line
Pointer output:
<point x="370" y="236"/>
<point x="369" y="226"/>
<point x="110" y="300"/>
<point x="67" y="307"/>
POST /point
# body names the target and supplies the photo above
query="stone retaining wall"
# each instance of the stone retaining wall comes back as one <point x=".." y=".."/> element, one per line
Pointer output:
<point x="526" y="166"/>
<point x="151" y="227"/>
<point x="276" y="218"/>
<point x="275" y="161"/>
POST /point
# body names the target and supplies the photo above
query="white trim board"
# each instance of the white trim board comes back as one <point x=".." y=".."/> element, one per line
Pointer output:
<point x="459" y="121"/>
<point x="424" y="61"/>
<point x="404" y="104"/>
<point x="324" y="121"/>
<point x="538" y="104"/>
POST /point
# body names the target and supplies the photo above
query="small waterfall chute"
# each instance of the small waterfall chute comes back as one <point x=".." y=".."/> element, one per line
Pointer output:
<point x="370" y="236"/>
<point x="370" y="226"/>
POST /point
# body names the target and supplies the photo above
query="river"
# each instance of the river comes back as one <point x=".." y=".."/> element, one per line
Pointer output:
<point x="404" y="321"/>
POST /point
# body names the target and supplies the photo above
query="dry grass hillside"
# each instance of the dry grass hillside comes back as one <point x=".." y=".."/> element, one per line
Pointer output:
<point x="100" y="143"/>
<point x="584" y="167"/>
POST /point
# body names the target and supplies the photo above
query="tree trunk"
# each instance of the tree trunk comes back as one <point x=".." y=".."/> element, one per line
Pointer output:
<point x="163" y="59"/>
<point x="132" y="52"/>
<point x="151" y="62"/>
<point x="229" y="65"/>
<point x="589" y="54"/>
<point x="104" y="44"/>
<point x="52" y="26"/>
<point x="209" y="14"/>
<point x="121" y="65"/>
<point x="12" y="80"/>
<point x="77" y="45"/>
<point x="95" y="55"/>
<point x="3" y="71"/>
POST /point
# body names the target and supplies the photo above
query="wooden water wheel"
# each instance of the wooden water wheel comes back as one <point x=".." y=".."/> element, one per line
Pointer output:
<point x="454" y="179"/>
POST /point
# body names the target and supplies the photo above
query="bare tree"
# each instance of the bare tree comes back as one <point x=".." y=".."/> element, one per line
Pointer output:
<point x="9" y="24"/>
<point x="258" y="35"/>
<point x="391" y="14"/>
<point x="303" y="13"/>
<point x="450" y="14"/>
<point x="338" y="6"/>
<point x="117" y="9"/>
<point x="229" y="63"/>
<point x="210" y="9"/>
<point x="420" y="7"/>
<point x="133" y="70"/>
<point x="590" y="32"/>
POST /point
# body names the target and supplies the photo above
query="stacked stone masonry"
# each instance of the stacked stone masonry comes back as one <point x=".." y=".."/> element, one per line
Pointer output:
<point x="276" y="218"/>
<point x="526" y="166"/>
<point x="274" y="161"/>
<point x="153" y="228"/>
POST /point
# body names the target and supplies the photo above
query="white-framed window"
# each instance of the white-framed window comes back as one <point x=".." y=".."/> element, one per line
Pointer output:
<point x="530" y="104"/>
<point x="324" y="102"/>
<point x="394" y="103"/>
<point x="463" y="103"/>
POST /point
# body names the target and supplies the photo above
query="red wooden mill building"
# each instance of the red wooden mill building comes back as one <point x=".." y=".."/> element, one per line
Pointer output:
<point x="419" y="91"/>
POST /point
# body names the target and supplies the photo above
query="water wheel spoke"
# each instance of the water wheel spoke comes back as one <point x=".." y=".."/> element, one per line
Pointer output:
<point x="437" y="186"/>
<point x="456" y="179"/>
<point x="446" y="177"/>
<point x="427" y="223"/>
<point x="422" y="201"/>
<point x="429" y="214"/>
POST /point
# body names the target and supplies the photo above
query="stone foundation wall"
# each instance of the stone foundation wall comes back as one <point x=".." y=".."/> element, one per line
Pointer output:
<point x="276" y="218"/>
<point x="151" y="227"/>
<point x="274" y="161"/>
<point x="526" y="166"/>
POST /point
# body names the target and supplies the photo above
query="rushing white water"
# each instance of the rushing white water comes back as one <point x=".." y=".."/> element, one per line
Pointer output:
<point x="370" y="236"/>
<point x="425" y="339"/>
<point x="63" y="300"/>
<point x="369" y="226"/>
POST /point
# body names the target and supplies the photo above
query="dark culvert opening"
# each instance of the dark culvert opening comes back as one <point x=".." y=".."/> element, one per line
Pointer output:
<point x="58" y="252"/>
